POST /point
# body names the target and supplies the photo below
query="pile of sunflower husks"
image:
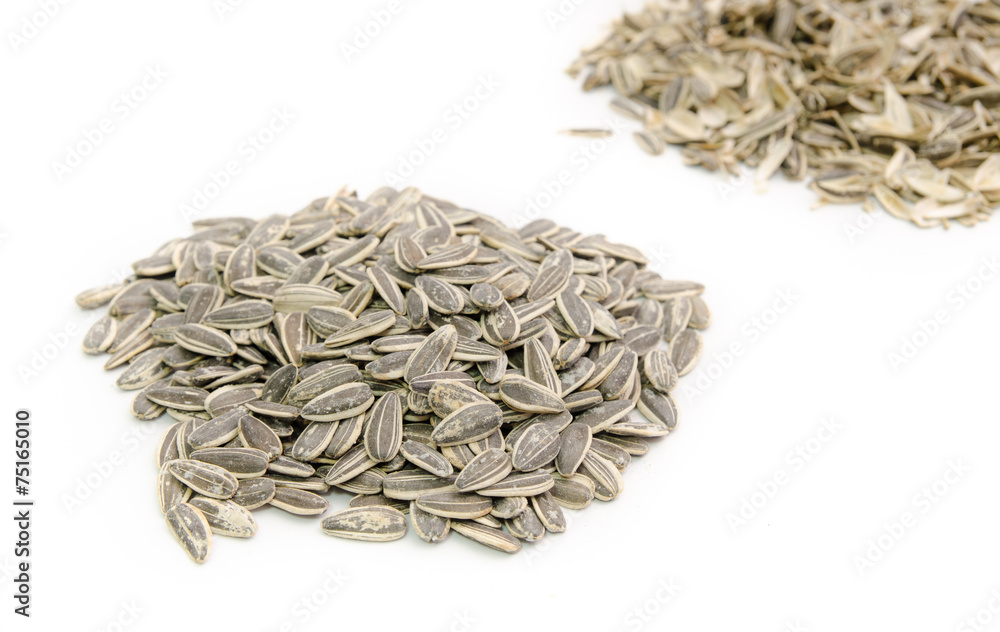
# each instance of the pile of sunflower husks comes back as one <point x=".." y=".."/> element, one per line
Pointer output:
<point x="894" y="102"/>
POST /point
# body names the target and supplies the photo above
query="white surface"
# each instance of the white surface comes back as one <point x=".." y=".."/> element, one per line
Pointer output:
<point x="793" y="564"/>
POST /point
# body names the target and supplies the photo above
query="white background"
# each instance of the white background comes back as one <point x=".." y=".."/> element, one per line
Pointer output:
<point x="855" y="296"/>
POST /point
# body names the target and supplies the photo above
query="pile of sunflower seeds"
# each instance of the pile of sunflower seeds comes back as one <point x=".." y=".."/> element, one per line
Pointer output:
<point x="895" y="102"/>
<point x="416" y="354"/>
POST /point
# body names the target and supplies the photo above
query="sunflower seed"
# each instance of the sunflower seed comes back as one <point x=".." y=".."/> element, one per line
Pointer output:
<point x="339" y="402"/>
<point x="410" y="485"/>
<point x="226" y="517"/>
<point x="204" y="478"/>
<point x="191" y="529"/>
<point x="100" y="335"/>
<point x="367" y="524"/>
<point x="457" y="505"/>
<point x="298" y="502"/>
<point x="574" y="442"/>
<point x="384" y="432"/>
<point x="538" y="446"/>
<point x="253" y="493"/>
<point x="469" y="423"/>
<point x="170" y="490"/>
<point x="522" y="394"/>
<point x="427" y="526"/>
<point x="686" y="351"/>
<point x="487" y="536"/>
<point x="426" y="458"/>
<point x="519" y="484"/>
<point x="487" y="468"/>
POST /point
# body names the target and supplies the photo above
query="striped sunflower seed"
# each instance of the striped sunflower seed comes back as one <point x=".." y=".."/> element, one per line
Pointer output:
<point x="191" y="529"/>
<point x="367" y="524"/>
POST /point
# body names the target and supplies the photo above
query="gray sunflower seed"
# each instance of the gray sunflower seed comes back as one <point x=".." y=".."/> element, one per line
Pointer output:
<point x="441" y="296"/>
<point x="577" y="314"/>
<point x="606" y="477"/>
<point x="179" y="397"/>
<point x="299" y="502"/>
<point x="519" y="484"/>
<point x="427" y="526"/>
<point x="191" y="529"/>
<point x="170" y="490"/>
<point x="369" y="325"/>
<point x="339" y="402"/>
<point x="98" y="296"/>
<point x="290" y="467"/>
<point x="253" y="493"/>
<point x="240" y="462"/>
<point x="226" y="517"/>
<point x="205" y="340"/>
<point x="677" y="314"/>
<point x="242" y="315"/>
<point x="507" y="507"/>
<point x="426" y="458"/>
<point x="538" y="367"/>
<point x="549" y="513"/>
<point x="367" y="524"/>
<point x="456" y="505"/>
<point x="522" y="394"/>
<point x="433" y="354"/>
<point x="204" y="478"/>
<point x="383" y="434"/>
<point x="487" y="468"/>
<point x="657" y="407"/>
<point x="576" y="492"/>
<point x="411" y="485"/>
<point x="353" y="463"/>
<point x="574" y="443"/>
<point x="253" y="433"/>
<point x="487" y="536"/>
<point x="526" y="526"/>
<point x="469" y="423"/>
<point x="100" y="335"/>
<point x="659" y="370"/>
<point x="602" y="416"/>
<point x="617" y="455"/>
<point x="686" y="351"/>
<point x="217" y="431"/>
<point x="313" y="440"/>
<point x="537" y="446"/>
